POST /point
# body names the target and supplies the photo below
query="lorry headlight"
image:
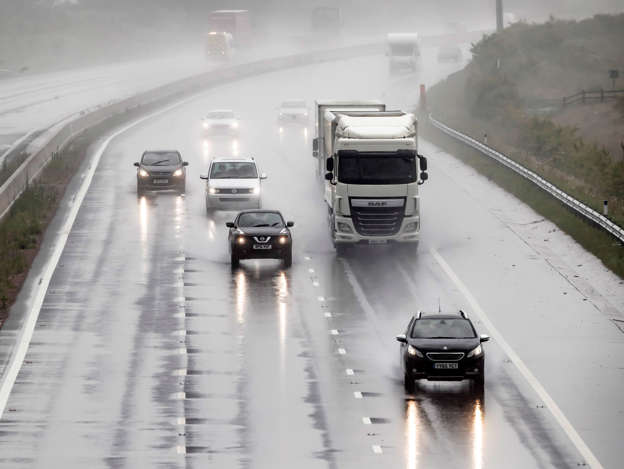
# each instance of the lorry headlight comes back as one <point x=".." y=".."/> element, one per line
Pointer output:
<point x="344" y="227"/>
<point x="178" y="172"/>
<point x="255" y="191"/>
<point x="413" y="226"/>
<point x="475" y="352"/>
<point x="143" y="173"/>
<point x="414" y="352"/>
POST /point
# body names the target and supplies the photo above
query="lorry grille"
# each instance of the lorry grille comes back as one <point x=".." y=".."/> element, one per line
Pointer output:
<point x="377" y="221"/>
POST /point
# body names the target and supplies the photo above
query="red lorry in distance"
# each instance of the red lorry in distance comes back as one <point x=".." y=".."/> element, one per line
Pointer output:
<point x="235" y="22"/>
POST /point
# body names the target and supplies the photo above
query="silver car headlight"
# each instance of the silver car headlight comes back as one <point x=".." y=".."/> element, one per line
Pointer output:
<point x="414" y="352"/>
<point x="178" y="172"/>
<point x="475" y="352"/>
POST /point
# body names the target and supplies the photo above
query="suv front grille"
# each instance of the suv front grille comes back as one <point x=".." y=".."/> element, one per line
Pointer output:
<point x="160" y="173"/>
<point x="377" y="221"/>
<point x="235" y="191"/>
<point x="445" y="356"/>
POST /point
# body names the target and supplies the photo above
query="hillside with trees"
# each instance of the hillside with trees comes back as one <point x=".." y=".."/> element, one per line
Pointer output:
<point x="512" y="90"/>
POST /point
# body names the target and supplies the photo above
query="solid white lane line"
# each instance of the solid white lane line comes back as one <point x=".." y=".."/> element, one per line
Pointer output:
<point x="25" y="334"/>
<point x="366" y="421"/>
<point x="561" y="419"/>
<point x="376" y="449"/>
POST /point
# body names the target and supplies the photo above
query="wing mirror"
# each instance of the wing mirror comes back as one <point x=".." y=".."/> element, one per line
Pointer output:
<point x="329" y="164"/>
<point x="484" y="338"/>
<point x="290" y="224"/>
<point x="137" y="164"/>
<point x="401" y="338"/>
<point x="203" y="176"/>
<point x="423" y="162"/>
<point x="263" y="176"/>
<point x="230" y="224"/>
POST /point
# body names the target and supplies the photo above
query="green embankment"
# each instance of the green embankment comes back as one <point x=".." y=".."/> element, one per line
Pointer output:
<point x="496" y="94"/>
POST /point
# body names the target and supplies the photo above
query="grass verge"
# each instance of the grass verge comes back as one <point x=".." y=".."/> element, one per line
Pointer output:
<point x="601" y="244"/>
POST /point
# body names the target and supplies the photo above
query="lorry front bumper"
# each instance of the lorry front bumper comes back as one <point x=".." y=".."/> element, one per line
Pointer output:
<point x="409" y="233"/>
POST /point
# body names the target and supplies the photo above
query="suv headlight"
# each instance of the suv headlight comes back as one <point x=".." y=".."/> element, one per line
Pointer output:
<point x="475" y="352"/>
<point x="178" y="172"/>
<point x="143" y="173"/>
<point x="414" y="352"/>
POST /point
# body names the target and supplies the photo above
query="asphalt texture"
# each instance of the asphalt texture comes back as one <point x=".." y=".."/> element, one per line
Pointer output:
<point x="150" y="351"/>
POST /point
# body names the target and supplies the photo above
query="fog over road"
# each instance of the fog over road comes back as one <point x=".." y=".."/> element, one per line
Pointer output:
<point x="151" y="352"/>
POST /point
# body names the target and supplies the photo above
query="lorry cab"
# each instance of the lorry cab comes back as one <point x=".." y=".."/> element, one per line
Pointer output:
<point x="372" y="178"/>
<point x="403" y="51"/>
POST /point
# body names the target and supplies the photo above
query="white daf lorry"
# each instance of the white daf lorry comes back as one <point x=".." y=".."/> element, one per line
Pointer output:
<point x="372" y="174"/>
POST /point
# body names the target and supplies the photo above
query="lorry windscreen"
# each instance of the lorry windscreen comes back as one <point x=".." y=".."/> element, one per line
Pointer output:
<point x="401" y="49"/>
<point x="377" y="168"/>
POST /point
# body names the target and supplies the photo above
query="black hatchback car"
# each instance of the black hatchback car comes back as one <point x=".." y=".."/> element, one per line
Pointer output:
<point x="441" y="347"/>
<point x="161" y="170"/>
<point x="260" y="234"/>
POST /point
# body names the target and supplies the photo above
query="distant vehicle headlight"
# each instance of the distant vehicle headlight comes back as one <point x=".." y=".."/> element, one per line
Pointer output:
<point x="475" y="352"/>
<point x="178" y="172"/>
<point x="143" y="173"/>
<point x="414" y="352"/>
<point x="205" y="125"/>
<point x="212" y="190"/>
<point x="234" y="125"/>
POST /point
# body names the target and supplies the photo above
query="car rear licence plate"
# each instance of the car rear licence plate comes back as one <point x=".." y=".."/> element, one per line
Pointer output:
<point x="262" y="246"/>
<point x="445" y="366"/>
<point x="377" y="241"/>
<point x="161" y="181"/>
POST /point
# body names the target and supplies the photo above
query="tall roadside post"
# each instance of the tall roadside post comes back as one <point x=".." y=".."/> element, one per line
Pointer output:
<point x="499" y="16"/>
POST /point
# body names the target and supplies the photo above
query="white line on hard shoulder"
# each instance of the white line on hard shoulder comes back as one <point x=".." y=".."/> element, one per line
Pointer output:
<point x="26" y="333"/>
<point x="559" y="416"/>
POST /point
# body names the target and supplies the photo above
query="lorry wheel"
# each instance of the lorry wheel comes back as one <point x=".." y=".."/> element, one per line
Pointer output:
<point x="234" y="260"/>
<point x="343" y="250"/>
<point x="287" y="259"/>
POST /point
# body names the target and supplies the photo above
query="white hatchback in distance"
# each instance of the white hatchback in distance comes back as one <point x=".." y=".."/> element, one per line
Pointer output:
<point x="233" y="184"/>
<point x="220" y="121"/>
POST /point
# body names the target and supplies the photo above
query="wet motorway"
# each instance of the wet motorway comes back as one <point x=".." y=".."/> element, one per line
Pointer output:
<point x="150" y="351"/>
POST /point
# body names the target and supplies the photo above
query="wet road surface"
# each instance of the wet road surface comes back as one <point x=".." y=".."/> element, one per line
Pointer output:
<point x="151" y="352"/>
